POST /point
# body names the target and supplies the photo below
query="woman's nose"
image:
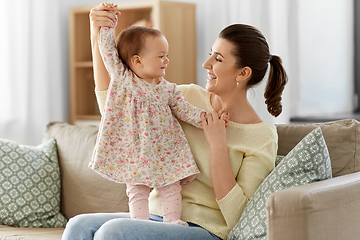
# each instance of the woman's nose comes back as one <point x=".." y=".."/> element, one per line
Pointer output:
<point x="207" y="64"/>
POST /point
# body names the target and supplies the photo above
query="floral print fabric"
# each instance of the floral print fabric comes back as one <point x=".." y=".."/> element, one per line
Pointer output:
<point x="140" y="141"/>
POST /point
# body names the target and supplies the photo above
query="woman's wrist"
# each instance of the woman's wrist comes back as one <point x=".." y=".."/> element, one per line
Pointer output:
<point x="218" y="149"/>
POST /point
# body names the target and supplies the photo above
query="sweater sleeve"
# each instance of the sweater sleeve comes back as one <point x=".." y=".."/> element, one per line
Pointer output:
<point x="256" y="165"/>
<point x="232" y="205"/>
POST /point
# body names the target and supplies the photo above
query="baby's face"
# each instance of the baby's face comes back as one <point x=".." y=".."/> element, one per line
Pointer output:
<point x="154" y="57"/>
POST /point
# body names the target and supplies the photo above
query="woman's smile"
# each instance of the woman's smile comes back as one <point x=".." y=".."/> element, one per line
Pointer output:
<point x="211" y="77"/>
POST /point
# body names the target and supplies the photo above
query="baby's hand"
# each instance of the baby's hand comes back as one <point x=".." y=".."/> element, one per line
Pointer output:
<point x="224" y="116"/>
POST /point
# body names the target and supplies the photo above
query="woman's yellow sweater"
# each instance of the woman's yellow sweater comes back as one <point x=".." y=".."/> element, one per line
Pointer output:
<point x="252" y="151"/>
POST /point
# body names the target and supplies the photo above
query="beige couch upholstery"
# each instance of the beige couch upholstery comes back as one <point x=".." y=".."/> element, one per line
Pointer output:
<point x="324" y="210"/>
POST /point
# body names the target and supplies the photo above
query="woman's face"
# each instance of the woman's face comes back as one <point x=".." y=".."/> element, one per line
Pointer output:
<point x="222" y="72"/>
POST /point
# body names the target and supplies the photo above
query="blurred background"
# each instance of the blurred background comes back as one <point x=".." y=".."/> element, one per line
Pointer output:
<point x="317" y="40"/>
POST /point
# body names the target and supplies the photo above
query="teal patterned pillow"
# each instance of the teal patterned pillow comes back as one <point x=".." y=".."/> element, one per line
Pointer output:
<point x="30" y="185"/>
<point x="278" y="159"/>
<point x="307" y="162"/>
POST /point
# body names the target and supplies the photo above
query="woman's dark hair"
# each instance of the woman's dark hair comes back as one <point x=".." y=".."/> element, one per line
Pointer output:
<point x="131" y="41"/>
<point x="252" y="50"/>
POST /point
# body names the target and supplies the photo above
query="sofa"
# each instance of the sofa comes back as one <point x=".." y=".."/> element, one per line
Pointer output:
<point x="328" y="209"/>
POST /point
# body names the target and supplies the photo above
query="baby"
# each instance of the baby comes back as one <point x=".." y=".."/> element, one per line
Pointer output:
<point x="140" y="141"/>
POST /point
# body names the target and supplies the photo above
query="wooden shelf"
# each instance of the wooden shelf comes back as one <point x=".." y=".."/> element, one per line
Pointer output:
<point x="84" y="64"/>
<point x="89" y="117"/>
<point x="177" y="22"/>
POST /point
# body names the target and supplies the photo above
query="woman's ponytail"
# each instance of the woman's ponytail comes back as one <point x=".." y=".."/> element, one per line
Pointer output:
<point x="275" y="86"/>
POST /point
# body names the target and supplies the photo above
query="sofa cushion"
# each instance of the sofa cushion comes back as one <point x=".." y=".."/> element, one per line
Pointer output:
<point x="83" y="190"/>
<point x="30" y="185"/>
<point x="307" y="162"/>
<point x="341" y="138"/>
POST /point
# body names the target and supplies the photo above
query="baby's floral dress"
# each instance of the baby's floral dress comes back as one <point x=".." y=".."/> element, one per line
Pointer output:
<point x="139" y="140"/>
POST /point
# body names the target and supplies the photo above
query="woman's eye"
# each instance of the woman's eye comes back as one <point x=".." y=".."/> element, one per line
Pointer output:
<point x="216" y="59"/>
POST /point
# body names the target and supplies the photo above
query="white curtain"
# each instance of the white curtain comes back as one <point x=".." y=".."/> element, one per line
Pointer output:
<point x="32" y="78"/>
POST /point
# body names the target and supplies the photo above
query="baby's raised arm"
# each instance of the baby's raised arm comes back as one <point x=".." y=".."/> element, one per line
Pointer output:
<point x="109" y="52"/>
<point x="100" y="15"/>
<point x="107" y="45"/>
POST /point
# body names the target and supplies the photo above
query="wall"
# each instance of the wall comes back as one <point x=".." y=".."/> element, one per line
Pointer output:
<point x="326" y="68"/>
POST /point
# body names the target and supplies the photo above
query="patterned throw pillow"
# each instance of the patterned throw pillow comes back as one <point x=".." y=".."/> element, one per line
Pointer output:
<point x="30" y="185"/>
<point x="307" y="162"/>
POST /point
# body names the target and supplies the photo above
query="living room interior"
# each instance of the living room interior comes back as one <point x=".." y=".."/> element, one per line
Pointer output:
<point x="318" y="41"/>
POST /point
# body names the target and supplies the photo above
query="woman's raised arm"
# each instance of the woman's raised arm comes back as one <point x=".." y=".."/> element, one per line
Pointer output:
<point x="100" y="16"/>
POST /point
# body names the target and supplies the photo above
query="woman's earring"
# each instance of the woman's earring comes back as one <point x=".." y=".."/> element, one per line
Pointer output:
<point x="237" y="84"/>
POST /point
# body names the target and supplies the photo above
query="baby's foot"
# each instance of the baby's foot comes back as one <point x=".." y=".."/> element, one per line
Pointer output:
<point x="180" y="222"/>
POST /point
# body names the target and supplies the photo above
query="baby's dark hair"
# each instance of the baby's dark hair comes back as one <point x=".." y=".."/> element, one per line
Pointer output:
<point x="131" y="41"/>
<point x="252" y="50"/>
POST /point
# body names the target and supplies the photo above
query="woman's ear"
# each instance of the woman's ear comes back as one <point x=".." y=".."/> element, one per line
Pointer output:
<point x="244" y="74"/>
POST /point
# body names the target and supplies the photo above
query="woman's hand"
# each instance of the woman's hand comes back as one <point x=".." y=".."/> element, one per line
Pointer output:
<point x="214" y="125"/>
<point x="224" y="116"/>
<point x="104" y="15"/>
<point x="221" y="172"/>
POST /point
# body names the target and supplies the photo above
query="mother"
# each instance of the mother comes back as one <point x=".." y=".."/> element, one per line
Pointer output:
<point x="233" y="161"/>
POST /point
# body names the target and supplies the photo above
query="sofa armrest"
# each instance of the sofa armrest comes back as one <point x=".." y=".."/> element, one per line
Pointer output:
<point x="329" y="209"/>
